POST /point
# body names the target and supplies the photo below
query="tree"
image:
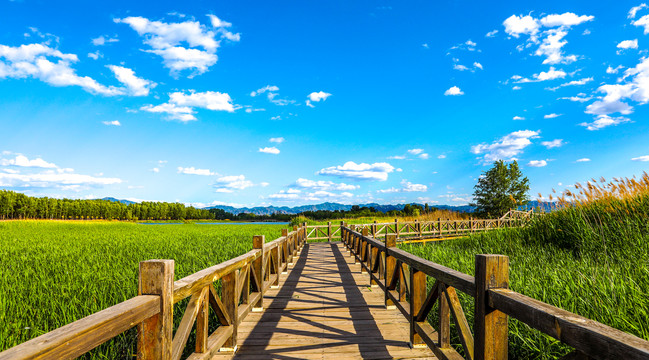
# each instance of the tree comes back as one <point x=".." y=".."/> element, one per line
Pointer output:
<point x="500" y="188"/>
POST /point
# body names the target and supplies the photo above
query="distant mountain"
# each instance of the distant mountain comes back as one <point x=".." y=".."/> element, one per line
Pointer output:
<point x="127" y="202"/>
<point x="268" y="210"/>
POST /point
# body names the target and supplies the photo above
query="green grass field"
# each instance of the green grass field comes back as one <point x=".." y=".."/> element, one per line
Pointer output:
<point x="55" y="272"/>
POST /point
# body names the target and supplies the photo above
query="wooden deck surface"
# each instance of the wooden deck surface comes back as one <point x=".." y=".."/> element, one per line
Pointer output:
<point x="325" y="309"/>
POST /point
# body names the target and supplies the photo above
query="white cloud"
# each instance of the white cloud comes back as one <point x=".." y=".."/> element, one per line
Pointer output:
<point x="406" y="186"/>
<point x="324" y="185"/>
<point x="112" y="123"/>
<point x="581" y="97"/>
<point x="477" y="65"/>
<point x="551" y="116"/>
<point x="641" y="158"/>
<point x="102" y="40"/>
<point x="181" y="105"/>
<point x="23" y="161"/>
<point x="425" y="46"/>
<point x="48" y="65"/>
<point x="460" y="67"/>
<point x="397" y="157"/>
<point x="155" y="170"/>
<point x="507" y="147"/>
<point x="611" y="70"/>
<point x="268" y="88"/>
<point x="516" y="88"/>
<point x="136" y="86"/>
<point x="537" y="163"/>
<point x="553" y="144"/>
<point x="277" y="140"/>
<point x="583" y="160"/>
<point x="453" y="90"/>
<point x="579" y="82"/>
<point x="565" y="19"/>
<point x="317" y="96"/>
<point x="424" y="156"/>
<point x="415" y="151"/>
<point x="603" y="121"/>
<point x="492" y="33"/>
<point x="518" y="118"/>
<point x="168" y="40"/>
<point x="628" y="44"/>
<point x="269" y="150"/>
<point x="362" y="171"/>
<point x="95" y="55"/>
<point x="551" y="74"/>
<point x="517" y="25"/>
<point x="643" y="22"/>
<point x="228" y="184"/>
<point x="551" y="48"/>
<point x="442" y="156"/>
<point x="193" y="171"/>
<point x="316" y="196"/>
<point x="635" y="9"/>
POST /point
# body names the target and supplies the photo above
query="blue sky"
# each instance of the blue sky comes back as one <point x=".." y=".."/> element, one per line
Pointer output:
<point x="287" y="103"/>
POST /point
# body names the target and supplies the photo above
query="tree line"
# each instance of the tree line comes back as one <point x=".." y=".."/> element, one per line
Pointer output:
<point x="14" y="205"/>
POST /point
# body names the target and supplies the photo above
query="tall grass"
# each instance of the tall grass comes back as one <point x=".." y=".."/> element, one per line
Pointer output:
<point x="590" y="257"/>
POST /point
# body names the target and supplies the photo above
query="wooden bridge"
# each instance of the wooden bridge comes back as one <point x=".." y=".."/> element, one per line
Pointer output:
<point x="357" y="298"/>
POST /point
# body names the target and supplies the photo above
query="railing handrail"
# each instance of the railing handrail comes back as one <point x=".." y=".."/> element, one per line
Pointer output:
<point x="493" y="298"/>
<point x="153" y="310"/>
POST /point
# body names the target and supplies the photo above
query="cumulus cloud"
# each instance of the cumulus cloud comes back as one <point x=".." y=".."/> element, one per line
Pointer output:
<point x="181" y="105"/>
<point x="507" y="147"/>
<point x="551" y="74"/>
<point x="269" y="150"/>
<point x="316" y="196"/>
<point x="277" y="140"/>
<point x="136" y="86"/>
<point x="362" y="171"/>
<point x="23" y="161"/>
<point x="271" y="89"/>
<point x="641" y="158"/>
<point x="603" y="121"/>
<point x="102" y="40"/>
<point x="406" y="186"/>
<point x="518" y="25"/>
<point x="194" y="171"/>
<point x="634" y="10"/>
<point x="317" y="96"/>
<point x="453" y="91"/>
<point x="112" y="123"/>
<point x="184" y="45"/>
<point x="553" y="144"/>
<point x="614" y="70"/>
<point x="518" y="118"/>
<point x="228" y="184"/>
<point x="565" y="19"/>
<point x="537" y="163"/>
<point x="628" y="44"/>
<point x="644" y="23"/>
<point x="415" y="151"/>
<point x="492" y="33"/>
<point x="324" y="185"/>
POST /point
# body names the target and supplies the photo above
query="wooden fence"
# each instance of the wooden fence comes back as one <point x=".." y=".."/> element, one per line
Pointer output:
<point x="403" y="278"/>
<point x="411" y="230"/>
<point x="243" y="281"/>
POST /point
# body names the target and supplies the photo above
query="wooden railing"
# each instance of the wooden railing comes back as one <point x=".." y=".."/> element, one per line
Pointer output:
<point x="408" y="230"/>
<point x="403" y="278"/>
<point x="243" y="281"/>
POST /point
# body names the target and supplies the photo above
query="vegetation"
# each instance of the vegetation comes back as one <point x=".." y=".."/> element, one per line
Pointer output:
<point x="590" y="257"/>
<point x="53" y="273"/>
<point x="15" y="205"/>
<point x="499" y="189"/>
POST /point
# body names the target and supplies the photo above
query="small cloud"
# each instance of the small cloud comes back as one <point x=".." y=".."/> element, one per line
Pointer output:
<point x="276" y="117"/>
<point x="453" y="91"/>
<point x="537" y="163"/>
<point x="397" y="157"/>
<point x="603" y="121"/>
<point x="155" y="170"/>
<point x="518" y="118"/>
<point x="635" y="9"/>
<point x="460" y="67"/>
<point x="442" y="156"/>
<point x="628" y="44"/>
<point x="102" y="40"/>
<point x="583" y="160"/>
<point x="193" y="171"/>
<point x="612" y="70"/>
<point x="415" y="151"/>
<point x="112" y="123"/>
<point x="362" y="171"/>
<point x="318" y="96"/>
<point x="551" y="116"/>
<point x="277" y="140"/>
<point x="491" y="33"/>
<point x="424" y="156"/>
<point x="641" y="158"/>
<point x="95" y="55"/>
<point x="553" y="144"/>
<point x="477" y="65"/>
<point x="269" y="150"/>
<point x="425" y="46"/>
<point x="516" y="87"/>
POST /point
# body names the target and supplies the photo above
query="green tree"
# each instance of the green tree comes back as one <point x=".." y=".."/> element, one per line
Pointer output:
<point x="500" y="188"/>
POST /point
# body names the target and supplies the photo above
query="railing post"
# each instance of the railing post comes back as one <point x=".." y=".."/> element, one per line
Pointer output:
<point x="155" y="334"/>
<point x="288" y="253"/>
<point x="439" y="226"/>
<point x="444" y="331"/>
<point x="390" y="264"/>
<point x="295" y="240"/>
<point x="374" y="229"/>
<point x="342" y="223"/>
<point x="258" y="267"/>
<point x="491" y="325"/>
<point x="396" y="227"/>
<point x="417" y="299"/>
<point x="230" y="300"/>
<point x="329" y="231"/>
<point x="305" y="233"/>
<point x="471" y="223"/>
<point x="419" y="228"/>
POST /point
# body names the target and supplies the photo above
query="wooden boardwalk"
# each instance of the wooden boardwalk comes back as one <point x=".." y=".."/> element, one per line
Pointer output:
<point x="324" y="308"/>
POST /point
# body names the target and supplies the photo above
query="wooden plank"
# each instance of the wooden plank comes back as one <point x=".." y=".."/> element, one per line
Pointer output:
<point x="231" y="305"/>
<point x="74" y="339"/>
<point x="490" y="324"/>
<point x="466" y="338"/>
<point x="218" y="307"/>
<point x="202" y="323"/>
<point x="155" y="334"/>
<point x="186" y="324"/>
<point x="595" y="339"/>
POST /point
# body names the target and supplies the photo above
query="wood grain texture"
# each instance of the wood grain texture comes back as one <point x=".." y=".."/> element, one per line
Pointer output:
<point x="155" y="334"/>
<point x="490" y="325"/>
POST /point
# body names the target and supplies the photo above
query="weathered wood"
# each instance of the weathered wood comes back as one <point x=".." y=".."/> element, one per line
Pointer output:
<point x="202" y="323"/>
<point x="390" y="265"/>
<point x="595" y="339"/>
<point x="417" y="298"/>
<point x="466" y="338"/>
<point x="258" y="268"/>
<point x="218" y="307"/>
<point x="74" y="339"/>
<point x="186" y="324"/>
<point x="433" y="294"/>
<point x="491" y="325"/>
<point x="444" y="330"/>
<point x="155" y="334"/>
<point x="231" y="304"/>
<point x="214" y="343"/>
